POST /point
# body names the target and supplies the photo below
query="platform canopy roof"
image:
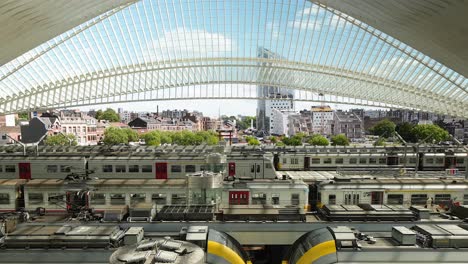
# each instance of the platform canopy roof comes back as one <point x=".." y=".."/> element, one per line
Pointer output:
<point x="401" y="54"/>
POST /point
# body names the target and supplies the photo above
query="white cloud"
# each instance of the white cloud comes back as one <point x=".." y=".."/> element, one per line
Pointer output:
<point x="184" y="43"/>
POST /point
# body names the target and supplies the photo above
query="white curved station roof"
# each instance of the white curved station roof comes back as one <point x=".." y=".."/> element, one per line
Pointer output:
<point x="119" y="51"/>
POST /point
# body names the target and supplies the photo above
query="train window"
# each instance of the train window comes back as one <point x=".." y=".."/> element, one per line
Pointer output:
<point x="4" y="198"/>
<point x="252" y="168"/>
<point x="339" y="161"/>
<point x="382" y="160"/>
<point x="442" y="198"/>
<point x="146" y="168"/>
<point x="268" y="165"/>
<point x="55" y="198"/>
<point x="395" y="199"/>
<point x="1" y="168"/>
<point x="430" y="160"/>
<point x="137" y="198"/>
<point x="420" y="199"/>
<point x="120" y="168"/>
<point x="106" y="168"/>
<point x="159" y="198"/>
<point x="352" y="161"/>
<point x="98" y="198"/>
<point x="203" y="167"/>
<point x="51" y="168"/>
<point x="190" y="168"/>
<point x="10" y="168"/>
<point x="295" y="199"/>
<point x="412" y="160"/>
<point x="259" y="198"/>
<point x="178" y="198"/>
<point x="176" y="168"/>
<point x="294" y="161"/>
<point x="465" y="199"/>
<point x="35" y="198"/>
<point x="332" y="199"/>
<point x="439" y="160"/>
<point x="258" y="168"/>
<point x="327" y="160"/>
<point x="460" y="161"/>
<point x="372" y="160"/>
<point x="362" y="161"/>
<point x="65" y="168"/>
<point x="117" y="198"/>
<point x="133" y="168"/>
<point x="275" y="198"/>
<point x="315" y="160"/>
<point x="285" y="161"/>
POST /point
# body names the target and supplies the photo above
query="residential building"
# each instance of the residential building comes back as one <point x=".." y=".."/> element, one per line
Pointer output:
<point x="280" y="122"/>
<point x="81" y="125"/>
<point x="271" y="97"/>
<point x="12" y="132"/>
<point x="142" y="125"/>
<point x="87" y="130"/>
<point x="8" y="120"/>
<point x="347" y="123"/>
<point x="37" y="128"/>
<point x="322" y="120"/>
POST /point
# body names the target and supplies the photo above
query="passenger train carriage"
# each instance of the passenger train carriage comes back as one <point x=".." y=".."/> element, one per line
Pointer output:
<point x="405" y="192"/>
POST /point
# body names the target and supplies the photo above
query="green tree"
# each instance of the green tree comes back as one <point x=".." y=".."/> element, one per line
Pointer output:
<point x="379" y="142"/>
<point x="98" y="115"/>
<point x="405" y="130"/>
<point x="273" y="140"/>
<point x="152" y="138"/>
<point x="318" y="140"/>
<point x="340" y="140"/>
<point x="61" y="140"/>
<point x="109" y="114"/>
<point x="252" y="141"/>
<point x="384" y="128"/>
<point x="295" y="140"/>
<point x="430" y="133"/>
<point x="132" y="135"/>
<point x="165" y="138"/>
<point x="23" y="116"/>
<point x="114" y="136"/>
<point x="244" y="123"/>
<point x="280" y="144"/>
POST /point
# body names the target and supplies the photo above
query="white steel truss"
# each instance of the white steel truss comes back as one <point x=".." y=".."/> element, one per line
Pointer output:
<point x="190" y="49"/>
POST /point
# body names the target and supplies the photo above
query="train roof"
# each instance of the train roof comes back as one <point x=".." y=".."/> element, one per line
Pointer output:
<point x="318" y="176"/>
<point x="398" y="184"/>
<point x="9" y="150"/>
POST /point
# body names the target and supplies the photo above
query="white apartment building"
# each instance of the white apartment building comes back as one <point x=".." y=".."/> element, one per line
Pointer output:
<point x="279" y="121"/>
<point x="281" y="105"/>
<point x="322" y="120"/>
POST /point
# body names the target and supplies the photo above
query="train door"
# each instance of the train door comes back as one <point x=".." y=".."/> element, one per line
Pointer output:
<point x="161" y="170"/>
<point x="24" y="170"/>
<point x="239" y="197"/>
<point x="450" y="162"/>
<point x="376" y="197"/>
<point x="306" y="163"/>
<point x="232" y="169"/>
<point x="20" y="197"/>
<point x="392" y="160"/>
<point x="256" y="170"/>
<point x="351" y="198"/>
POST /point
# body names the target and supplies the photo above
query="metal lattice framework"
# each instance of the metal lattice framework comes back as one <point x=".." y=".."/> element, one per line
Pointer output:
<point x="189" y="49"/>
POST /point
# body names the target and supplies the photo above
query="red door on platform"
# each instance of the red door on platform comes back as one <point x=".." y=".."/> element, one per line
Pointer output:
<point x="24" y="171"/>
<point x="161" y="170"/>
<point x="232" y="169"/>
<point x="239" y="197"/>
